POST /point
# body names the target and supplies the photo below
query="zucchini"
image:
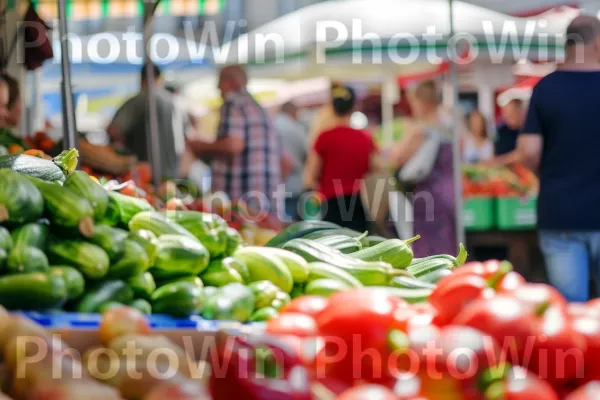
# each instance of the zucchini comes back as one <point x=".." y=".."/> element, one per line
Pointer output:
<point x="24" y="259"/>
<point x="34" y="291"/>
<point x="112" y="216"/>
<point x="425" y="267"/>
<point x="407" y="282"/>
<point x="219" y="274"/>
<point x="142" y="305"/>
<point x="83" y="185"/>
<point x="373" y="240"/>
<point x="234" y="241"/>
<point x="325" y="287"/>
<point x="128" y="206"/>
<point x="3" y="258"/>
<point x="435" y="276"/>
<point x="209" y="229"/>
<point x="320" y="270"/>
<point x="110" y="239"/>
<point x="234" y="302"/>
<point x="240" y="267"/>
<point x="343" y="244"/>
<point x="33" y="234"/>
<point x="134" y="261"/>
<point x="263" y="314"/>
<point x="264" y="266"/>
<point x="143" y="285"/>
<point x="65" y="208"/>
<point x="178" y="299"/>
<point x="20" y="200"/>
<point x="73" y="280"/>
<point x="362" y="236"/>
<point x="158" y="224"/>
<point x="297" y="265"/>
<point x="109" y="291"/>
<point x="6" y="241"/>
<point x="178" y="256"/>
<point x="147" y="240"/>
<point x="193" y="279"/>
<point x="89" y="259"/>
<point x="299" y="229"/>
<point x="53" y="170"/>
<point x="395" y="252"/>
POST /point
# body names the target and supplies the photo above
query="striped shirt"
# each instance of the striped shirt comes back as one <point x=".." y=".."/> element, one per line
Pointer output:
<point x="253" y="175"/>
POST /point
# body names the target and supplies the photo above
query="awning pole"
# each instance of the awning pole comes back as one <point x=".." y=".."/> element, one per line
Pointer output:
<point x="68" y="109"/>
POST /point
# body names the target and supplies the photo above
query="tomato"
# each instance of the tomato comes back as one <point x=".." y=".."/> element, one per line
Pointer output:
<point x="453" y="293"/>
<point x="589" y="328"/>
<point x="587" y="392"/>
<point x="121" y="321"/>
<point x="309" y="305"/>
<point x="368" y="392"/>
<point x="292" y="324"/>
<point x="129" y="190"/>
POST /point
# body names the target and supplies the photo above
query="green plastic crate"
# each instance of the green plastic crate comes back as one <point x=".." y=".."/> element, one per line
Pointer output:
<point x="516" y="213"/>
<point x="478" y="213"/>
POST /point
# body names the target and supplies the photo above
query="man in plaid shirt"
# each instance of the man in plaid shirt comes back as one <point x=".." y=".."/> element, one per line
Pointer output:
<point x="247" y="160"/>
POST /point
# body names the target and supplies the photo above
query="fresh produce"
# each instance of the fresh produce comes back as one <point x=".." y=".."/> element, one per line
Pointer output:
<point x="325" y="287"/>
<point x="299" y="229"/>
<point x="142" y="305"/>
<point x="89" y="259"/>
<point x="342" y="243"/>
<point x="396" y="252"/>
<point x="337" y="231"/>
<point x="320" y="270"/>
<point x="126" y="207"/>
<point x="297" y="265"/>
<point x="33" y="234"/>
<point x="180" y="299"/>
<point x="265" y="292"/>
<point x="193" y="279"/>
<point x="265" y="266"/>
<point x="179" y="255"/>
<point x="158" y="224"/>
<point x="24" y="259"/>
<point x="143" y="285"/>
<point x="234" y="241"/>
<point x="108" y="291"/>
<point x="32" y="291"/>
<point x="110" y="239"/>
<point x="20" y="200"/>
<point x="84" y="186"/>
<point x="147" y="240"/>
<point x="134" y="261"/>
<point x="74" y="281"/>
<point x="263" y="314"/>
<point x="209" y="229"/>
<point x="232" y="302"/>
<point x="219" y="274"/>
<point x="55" y="170"/>
<point x="6" y="241"/>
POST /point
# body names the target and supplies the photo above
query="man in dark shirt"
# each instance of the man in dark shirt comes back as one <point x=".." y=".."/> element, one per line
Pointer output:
<point x="560" y="141"/>
<point x="513" y="115"/>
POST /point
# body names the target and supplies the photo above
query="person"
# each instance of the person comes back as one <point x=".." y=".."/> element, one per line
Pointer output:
<point x="513" y="115"/>
<point x="433" y="199"/>
<point x="246" y="159"/>
<point x="338" y="162"/>
<point x="129" y="125"/>
<point x="477" y="146"/>
<point x="14" y="108"/>
<point x="325" y="118"/>
<point x="295" y="139"/>
<point x="3" y="102"/>
<point x="560" y="141"/>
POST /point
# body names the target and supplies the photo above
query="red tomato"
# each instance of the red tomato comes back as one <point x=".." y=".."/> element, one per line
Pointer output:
<point x="589" y="328"/>
<point x="453" y="293"/>
<point x="587" y="392"/>
<point x="292" y="324"/>
<point x="309" y="305"/>
<point x="522" y="385"/>
<point x="368" y="392"/>
<point x="121" y="321"/>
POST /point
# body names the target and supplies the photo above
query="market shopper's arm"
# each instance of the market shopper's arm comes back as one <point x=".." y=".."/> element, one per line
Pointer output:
<point x="406" y="148"/>
<point x="104" y="158"/>
<point x="529" y="148"/>
<point x="312" y="171"/>
<point x="124" y="120"/>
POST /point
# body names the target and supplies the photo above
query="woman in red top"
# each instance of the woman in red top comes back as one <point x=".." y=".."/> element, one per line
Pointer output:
<point x="338" y="162"/>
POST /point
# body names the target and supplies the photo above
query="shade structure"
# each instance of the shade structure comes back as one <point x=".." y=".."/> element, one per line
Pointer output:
<point x="520" y="91"/>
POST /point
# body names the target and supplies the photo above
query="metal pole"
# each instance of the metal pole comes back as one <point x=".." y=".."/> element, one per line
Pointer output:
<point x="152" y="117"/>
<point x="456" y="159"/>
<point x="68" y="109"/>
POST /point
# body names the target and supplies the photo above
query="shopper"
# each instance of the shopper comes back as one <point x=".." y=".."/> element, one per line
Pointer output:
<point x="3" y="101"/>
<point x="477" y="146"/>
<point x="129" y="126"/>
<point x="433" y="198"/>
<point x="13" y="107"/>
<point x="560" y="141"/>
<point x="294" y="138"/>
<point x="513" y="116"/>
<point x="338" y="162"/>
<point x="246" y="158"/>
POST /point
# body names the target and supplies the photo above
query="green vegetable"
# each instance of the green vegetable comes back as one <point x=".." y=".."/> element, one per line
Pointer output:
<point x="89" y="259"/>
<point x="20" y="200"/>
<point x="6" y="241"/>
<point x="193" y="279"/>
<point x="111" y="240"/>
<point x="143" y="305"/>
<point x="178" y="256"/>
<point x="109" y="305"/>
<point x="406" y="282"/>
<point x="281" y="299"/>
<point x="178" y="299"/>
<point x="158" y="224"/>
<point x="297" y="291"/>
<point x="209" y="292"/>
<point x="143" y="285"/>
<point x="435" y="276"/>
<point x="23" y="259"/>
<point x="374" y="240"/>
<point x="409" y="295"/>
<point x="396" y="252"/>
<point x="112" y="216"/>
<point x="65" y="208"/>
<point x="34" y="291"/>
<point x="73" y="280"/>
<point x="265" y="266"/>
<point x="83" y="185"/>
<point x="128" y="206"/>
<point x="297" y="265"/>
<point x="209" y="229"/>
<point x="299" y="229"/>
<point x="239" y="266"/>
<point x="133" y="262"/>
<point x="430" y="265"/>
<point x="263" y="314"/>
<point x="233" y="302"/>
<point x="33" y="234"/>
<point x="218" y="274"/>
<point x="147" y="240"/>
<point x="109" y="291"/>
<point x="264" y="293"/>
<point x="341" y="243"/>
<point x="325" y="287"/>
<point x="234" y="241"/>
<point x="320" y="270"/>
<point x="3" y="258"/>
<point x="361" y="236"/>
<point x="47" y="170"/>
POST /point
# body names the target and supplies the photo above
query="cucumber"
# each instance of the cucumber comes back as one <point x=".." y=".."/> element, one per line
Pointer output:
<point x="297" y="291"/>
<point x="111" y="240"/>
<point x="54" y="170"/>
<point x="24" y="259"/>
<point x="425" y="267"/>
<point x="158" y="224"/>
<point x="6" y="241"/>
<point x="232" y="302"/>
<point x="320" y="270"/>
<point x="142" y="305"/>
<point x="109" y="291"/>
<point x="84" y="186"/>
<point x="178" y="299"/>
<point x="265" y="266"/>
<point x="362" y="236"/>
<point x="73" y="280"/>
<point x="65" y="208"/>
<point x="34" y="291"/>
<point x="219" y="274"/>
<point x="209" y="229"/>
<point x="33" y="234"/>
<point x="143" y="285"/>
<point x="234" y="241"/>
<point x="373" y="240"/>
<point x="147" y="240"/>
<point x="412" y="296"/>
<point x="209" y="292"/>
<point x="297" y="265"/>
<point x="112" y="216"/>
<point x="239" y="266"/>
<point x="134" y="261"/>
<point x="264" y="293"/>
<point x="263" y="314"/>
<point x="343" y="244"/>
<point x="109" y="305"/>
<point x="178" y="256"/>
<point x="406" y="282"/>
<point x="325" y="287"/>
<point x="128" y="206"/>
<point x="435" y="276"/>
<point x="3" y="258"/>
<point x="193" y="279"/>
<point x="396" y="252"/>
<point x="20" y="200"/>
<point x="89" y="259"/>
<point x="299" y="229"/>
<point x="281" y="299"/>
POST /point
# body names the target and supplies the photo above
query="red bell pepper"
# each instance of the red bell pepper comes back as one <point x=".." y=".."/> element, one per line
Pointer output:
<point x="516" y="384"/>
<point x="587" y="392"/>
<point x="453" y="293"/>
<point x="589" y="328"/>
<point x="309" y="305"/>
<point x="499" y="273"/>
<point x="289" y="323"/>
<point x="368" y="392"/>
